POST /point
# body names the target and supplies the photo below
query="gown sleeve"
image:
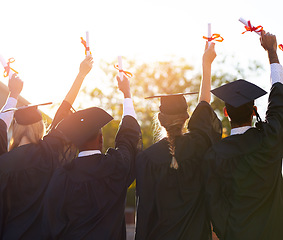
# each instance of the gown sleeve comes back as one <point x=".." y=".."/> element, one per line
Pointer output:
<point x="128" y="143"/>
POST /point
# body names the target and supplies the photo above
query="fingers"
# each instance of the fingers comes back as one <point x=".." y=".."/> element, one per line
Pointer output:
<point x="14" y="75"/>
<point x="211" y="45"/>
<point x="206" y="45"/>
<point x="118" y="80"/>
<point x="268" y="41"/>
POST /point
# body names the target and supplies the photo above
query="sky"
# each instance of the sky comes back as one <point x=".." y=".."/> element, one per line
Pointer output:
<point x="44" y="37"/>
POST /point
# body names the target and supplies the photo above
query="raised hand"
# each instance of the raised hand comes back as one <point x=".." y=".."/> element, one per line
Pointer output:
<point x="268" y="41"/>
<point x="15" y="86"/>
<point x="209" y="53"/>
<point x="86" y="65"/>
<point x="124" y="86"/>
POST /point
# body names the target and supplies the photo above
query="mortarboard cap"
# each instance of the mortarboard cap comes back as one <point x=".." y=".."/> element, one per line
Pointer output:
<point x="173" y="104"/>
<point x="238" y="93"/>
<point x="82" y="125"/>
<point x="27" y="115"/>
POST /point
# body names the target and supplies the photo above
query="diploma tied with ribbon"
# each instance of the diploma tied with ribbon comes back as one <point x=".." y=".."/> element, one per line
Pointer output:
<point x="119" y="67"/>
<point x="213" y="37"/>
<point x="250" y="28"/>
<point x="86" y="44"/>
<point x="8" y="70"/>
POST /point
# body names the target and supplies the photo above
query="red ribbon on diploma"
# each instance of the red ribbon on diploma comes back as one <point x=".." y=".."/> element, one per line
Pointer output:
<point x="84" y="43"/>
<point x="250" y="28"/>
<point x="8" y="68"/>
<point x="280" y="46"/>
<point x="128" y="74"/>
<point x="214" y="37"/>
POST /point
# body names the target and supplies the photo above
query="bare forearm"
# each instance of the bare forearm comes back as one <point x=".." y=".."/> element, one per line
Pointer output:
<point x="205" y="87"/>
<point x="273" y="57"/>
<point x="74" y="90"/>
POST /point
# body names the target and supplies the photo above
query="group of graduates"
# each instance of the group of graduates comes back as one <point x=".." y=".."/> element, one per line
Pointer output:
<point x="60" y="185"/>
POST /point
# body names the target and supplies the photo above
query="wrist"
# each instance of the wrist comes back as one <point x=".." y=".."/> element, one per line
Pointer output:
<point x="273" y="57"/>
<point x="127" y="95"/>
<point x="14" y="95"/>
<point x="206" y="63"/>
<point x="81" y="74"/>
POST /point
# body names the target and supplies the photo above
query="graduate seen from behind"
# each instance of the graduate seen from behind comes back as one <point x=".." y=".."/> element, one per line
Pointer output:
<point x="170" y="187"/>
<point x="86" y="199"/>
<point x="245" y="186"/>
<point x="26" y="169"/>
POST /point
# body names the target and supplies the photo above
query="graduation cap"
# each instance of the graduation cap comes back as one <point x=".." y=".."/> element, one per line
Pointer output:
<point x="172" y="104"/>
<point x="82" y="125"/>
<point x="238" y="93"/>
<point x="27" y="115"/>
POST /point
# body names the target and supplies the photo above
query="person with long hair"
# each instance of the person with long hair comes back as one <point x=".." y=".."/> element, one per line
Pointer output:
<point x="170" y="189"/>
<point x="26" y="169"/>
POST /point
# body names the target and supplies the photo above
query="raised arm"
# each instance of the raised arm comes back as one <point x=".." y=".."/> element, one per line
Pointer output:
<point x="85" y="68"/>
<point x="207" y="59"/>
<point x="128" y="138"/>
<point x="124" y="87"/>
<point x="269" y="43"/>
<point x="64" y="109"/>
<point x="15" y="86"/>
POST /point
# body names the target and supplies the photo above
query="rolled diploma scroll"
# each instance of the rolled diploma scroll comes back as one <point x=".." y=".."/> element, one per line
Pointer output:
<point x="246" y="23"/>
<point x="209" y="33"/>
<point x="87" y="44"/>
<point x="121" y="74"/>
<point x="4" y="63"/>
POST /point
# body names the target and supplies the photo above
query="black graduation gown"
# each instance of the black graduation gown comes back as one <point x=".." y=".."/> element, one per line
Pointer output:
<point x="86" y="199"/>
<point x="171" y="202"/>
<point x="245" y="186"/>
<point x="24" y="175"/>
<point x="3" y="137"/>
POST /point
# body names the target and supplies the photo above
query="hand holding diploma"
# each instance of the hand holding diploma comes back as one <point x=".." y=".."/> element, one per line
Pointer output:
<point x="15" y="86"/>
<point x="86" y="66"/>
<point x="119" y="67"/>
<point x="8" y="70"/>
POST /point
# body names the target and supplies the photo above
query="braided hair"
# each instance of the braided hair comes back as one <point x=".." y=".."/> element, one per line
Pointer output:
<point x="173" y="125"/>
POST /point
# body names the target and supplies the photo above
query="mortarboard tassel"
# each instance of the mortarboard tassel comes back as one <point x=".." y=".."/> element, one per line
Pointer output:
<point x="259" y="123"/>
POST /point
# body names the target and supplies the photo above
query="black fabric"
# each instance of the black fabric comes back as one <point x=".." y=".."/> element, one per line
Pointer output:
<point x="171" y="202"/>
<point x="238" y="93"/>
<point x="24" y="175"/>
<point x="84" y="124"/>
<point x="3" y="137"/>
<point x="173" y="105"/>
<point x="86" y="199"/>
<point x="245" y="186"/>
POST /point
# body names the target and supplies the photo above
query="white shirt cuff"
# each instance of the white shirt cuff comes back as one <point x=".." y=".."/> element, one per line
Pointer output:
<point x="128" y="108"/>
<point x="276" y="73"/>
<point x="88" y="153"/>
<point x="7" y="117"/>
